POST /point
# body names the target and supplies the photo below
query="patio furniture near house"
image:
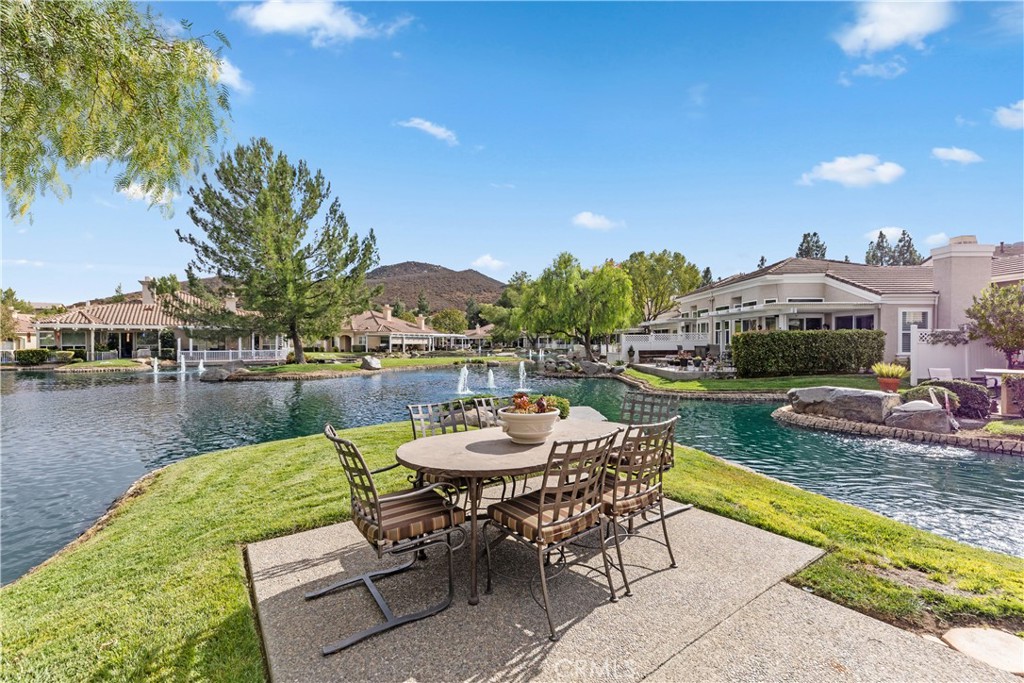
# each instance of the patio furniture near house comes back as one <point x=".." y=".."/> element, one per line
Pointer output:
<point x="940" y="373"/>
<point x="633" y="483"/>
<point x="644" y="407"/>
<point x="566" y="507"/>
<point x="406" y="522"/>
<point x="483" y="454"/>
<point x="487" y="408"/>
<point x="431" y="419"/>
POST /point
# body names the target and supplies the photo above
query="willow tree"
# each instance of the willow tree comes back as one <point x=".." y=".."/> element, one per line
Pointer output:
<point x="570" y="301"/>
<point x="88" y="80"/>
<point x="256" y="219"/>
<point x="657" y="279"/>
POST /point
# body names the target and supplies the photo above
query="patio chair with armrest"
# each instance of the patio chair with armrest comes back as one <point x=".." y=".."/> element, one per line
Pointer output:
<point x="487" y="408"/>
<point x="633" y="483"/>
<point x="644" y="407"/>
<point x="394" y="524"/>
<point x="566" y="507"/>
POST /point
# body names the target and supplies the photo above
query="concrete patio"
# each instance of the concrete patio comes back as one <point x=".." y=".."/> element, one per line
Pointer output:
<point x="724" y="614"/>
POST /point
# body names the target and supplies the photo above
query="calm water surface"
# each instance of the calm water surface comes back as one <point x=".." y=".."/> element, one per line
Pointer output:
<point x="72" y="444"/>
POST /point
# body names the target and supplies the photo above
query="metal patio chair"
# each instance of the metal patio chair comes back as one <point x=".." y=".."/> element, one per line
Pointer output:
<point x="394" y="524"/>
<point x="644" y="407"/>
<point x="633" y="483"/>
<point x="487" y="408"/>
<point x="566" y="507"/>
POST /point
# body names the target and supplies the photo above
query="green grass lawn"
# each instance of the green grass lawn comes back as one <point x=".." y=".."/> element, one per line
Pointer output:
<point x="1006" y="428"/>
<point x="781" y="384"/>
<point x="160" y="592"/>
<point x="385" y="363"/>
<point x="112" y="363"/>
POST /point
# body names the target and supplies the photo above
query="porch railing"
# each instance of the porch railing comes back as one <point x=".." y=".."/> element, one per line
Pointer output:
<point x="665" y="341"/>
<point x="232" y="354"/>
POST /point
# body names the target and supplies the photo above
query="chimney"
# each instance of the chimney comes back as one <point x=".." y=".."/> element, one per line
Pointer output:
<point x="231" y="303"/>
<point x="387" y="313"/>
<point x="1002" y="247"/>
<point x="421" y="321"/>
<point x="960" y="271"/>
<point x="147" y="291"/>
<point x="478" y="327"/>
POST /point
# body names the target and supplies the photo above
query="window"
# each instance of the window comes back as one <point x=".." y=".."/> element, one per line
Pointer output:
<point x="702" y="312"/>
<point x="865" y="322"/>
<point x="843" y="322"/>
<point x="749" y="304"/>
<point x="804" y="300"/>
<point x="908" y="318"/>
<point x="771" y="322"/>
<point x="721" y="309"/>
<point x="770" y="301"/>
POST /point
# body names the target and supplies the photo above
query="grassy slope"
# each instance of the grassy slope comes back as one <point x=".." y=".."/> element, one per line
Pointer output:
<point x="780" y="384"/>
<point x="112" y="363"/>
<point x="385" y="362"/>
<point x="160" y="592"/>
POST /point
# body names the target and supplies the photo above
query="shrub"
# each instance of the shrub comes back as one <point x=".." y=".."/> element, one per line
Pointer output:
<point x="559" y="402"/>
<point x="64" y="356"/>
<point x="783" y="352"/>
<point x="920" y="393"/>
<point x="79" y="354"/>
<point x="889" y="370"/>
<point x="290" y="358"/>
<point x="167" y="354"/>
<point x="77" y="360"/>
<point x="31" y="356"/>
<point x="974" y="399"/>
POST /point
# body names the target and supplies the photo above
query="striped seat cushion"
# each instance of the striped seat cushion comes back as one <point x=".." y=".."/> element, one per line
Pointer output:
<point x="429" y="479"/>
<point x="409" y="517"/>
<point x="630" y="500"/>
<point x="519" y="514"/>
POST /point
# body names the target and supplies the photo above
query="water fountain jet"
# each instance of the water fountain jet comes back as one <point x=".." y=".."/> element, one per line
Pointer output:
<point x="463" y="387"/>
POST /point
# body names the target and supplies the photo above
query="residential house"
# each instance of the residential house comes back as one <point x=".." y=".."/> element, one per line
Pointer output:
<point x="382" y="331"/>
<point x="819" y="294"/>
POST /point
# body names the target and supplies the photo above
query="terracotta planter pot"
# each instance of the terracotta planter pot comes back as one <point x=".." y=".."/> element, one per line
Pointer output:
<point x="889" y="384"/>
<point x="528" y="428"/>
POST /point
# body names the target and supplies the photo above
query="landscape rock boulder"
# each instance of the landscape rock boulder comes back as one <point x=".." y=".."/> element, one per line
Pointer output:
<point x="591" y="368"/>
<point x="920" y="415"/>
<point x="215" y="375"/>
<point x="617" y="369"/>
<point x="493" y="364"/>
<point x="370" y="363"/>
<point x="859" y="405"/>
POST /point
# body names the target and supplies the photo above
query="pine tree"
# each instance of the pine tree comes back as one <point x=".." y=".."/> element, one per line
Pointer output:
<point x="904" y="253"/>
<point x="118" y="294"/>
<point x="761" y="262"/>
<point x="706" y="278"/>
<point x="472" y="313"/>
<point x="879" y="252"/>
<point x="422" y="307"/>
<point x="811" y="246"/>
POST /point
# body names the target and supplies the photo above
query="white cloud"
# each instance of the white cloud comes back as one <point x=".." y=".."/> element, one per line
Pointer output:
<point x="503" y="186"/>
<point x="961" y="156"/>
<point x="1011" y="117"/>
<point x="137" y="193"/>
<point x="595" y="221"/>
<point x="488" y="262"/>
<point x="231" y="76"/>
<point x="23" y="262"/>
<point x="891" y="234"/>
<point x="325" y="23"/>
<point x="697" y="94"/>
<point x="936" y="240"/>
<point x="885" y="25"/>
<point x="861" y="170"/>
<point x="1009" y="18"/>
<point x="430" y="128"/>
<point x="962" y="121"/>
<point x="894" y="68"/>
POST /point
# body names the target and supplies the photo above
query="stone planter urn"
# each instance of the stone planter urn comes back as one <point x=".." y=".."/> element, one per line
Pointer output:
<point x="889" y="384"/>
<point x="528" y="428"/>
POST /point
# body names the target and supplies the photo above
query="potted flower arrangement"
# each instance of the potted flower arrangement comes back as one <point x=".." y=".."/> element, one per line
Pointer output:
<point x="889" y="375"/>
<point x="527" y="421"/>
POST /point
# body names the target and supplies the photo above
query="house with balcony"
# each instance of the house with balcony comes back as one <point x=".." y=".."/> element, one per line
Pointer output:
<point x="138" y="327"/>
<point x="819" y="294"/>
<point x="382" y="331"/>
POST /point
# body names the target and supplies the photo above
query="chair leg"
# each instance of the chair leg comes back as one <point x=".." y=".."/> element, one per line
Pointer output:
<point x="357" y="579"/>
<point x="607" y="568"/>
<point x="544" y="590"/>
<point x="487" y="554"/>
<point x="391" y="621"/>
<point x="618" y="552"/>
<point x="664" y="528"/>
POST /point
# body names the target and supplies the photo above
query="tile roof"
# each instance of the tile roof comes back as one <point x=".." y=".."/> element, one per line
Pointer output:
<point x="23" y="323"/>
<point x="875" y="279"/>
<point x="480" y="332"/>
<point x="373" y="321"/>
<point x="1008" y="267"/>
<point x="131" y="313"/>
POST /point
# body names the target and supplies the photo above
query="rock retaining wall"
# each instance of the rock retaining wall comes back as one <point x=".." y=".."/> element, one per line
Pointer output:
<point x="786" y="415"/>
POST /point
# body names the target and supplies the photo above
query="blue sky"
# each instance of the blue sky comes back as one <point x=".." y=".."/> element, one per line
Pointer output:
<point x="493" y="136"/>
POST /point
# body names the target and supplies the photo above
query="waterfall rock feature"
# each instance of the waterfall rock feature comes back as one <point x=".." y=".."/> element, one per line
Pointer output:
<point x="920" y="415"/>
<point x="860" y="405"/>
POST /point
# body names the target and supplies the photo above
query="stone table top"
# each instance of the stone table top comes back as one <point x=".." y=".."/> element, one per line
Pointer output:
<point x="489" y="452"/>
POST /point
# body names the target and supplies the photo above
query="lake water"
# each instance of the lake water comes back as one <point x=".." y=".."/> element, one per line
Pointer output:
<point x="71" y="444"/>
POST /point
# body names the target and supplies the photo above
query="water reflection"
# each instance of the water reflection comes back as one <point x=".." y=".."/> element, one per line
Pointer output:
<point x="72" y="443"/>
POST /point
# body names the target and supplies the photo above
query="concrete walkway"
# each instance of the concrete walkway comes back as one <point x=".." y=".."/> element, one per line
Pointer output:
<point x="724" y="615"/>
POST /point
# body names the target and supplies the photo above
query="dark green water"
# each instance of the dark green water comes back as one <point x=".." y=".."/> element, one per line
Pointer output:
<point x="72" y="444"/>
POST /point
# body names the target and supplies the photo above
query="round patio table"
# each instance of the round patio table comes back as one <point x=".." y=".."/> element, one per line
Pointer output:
<point x="487" y="453"/>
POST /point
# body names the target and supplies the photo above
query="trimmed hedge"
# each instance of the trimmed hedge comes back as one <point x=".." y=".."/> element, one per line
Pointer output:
<point x="974" y="399"/>
<point x="64" y="356"/>
<point x="31" y="356"/>
<point x="781" y="352"/>
<point x="921" y="393"/>
<point x="79" y="354"/>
